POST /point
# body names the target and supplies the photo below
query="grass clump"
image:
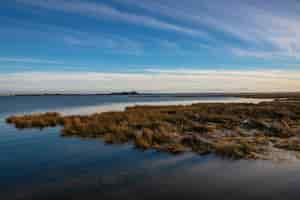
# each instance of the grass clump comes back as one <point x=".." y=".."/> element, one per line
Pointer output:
<point x="233" y="130"/>
<point x="49" y="119"/>
<point x="176" y="148"/>
<point x="142" y="143"/>
<point x="233" y="150"/>
<point x="291" y="145"/>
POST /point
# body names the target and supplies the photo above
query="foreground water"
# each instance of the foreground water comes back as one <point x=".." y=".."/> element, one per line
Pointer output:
<point x="38" y="164"/>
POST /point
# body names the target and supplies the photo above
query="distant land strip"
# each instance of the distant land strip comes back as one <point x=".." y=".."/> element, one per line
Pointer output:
<point x="273" y="95"/>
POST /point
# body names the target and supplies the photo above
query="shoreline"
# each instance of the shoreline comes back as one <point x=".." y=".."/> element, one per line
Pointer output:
<point x="273" y="95"/>
<point x="231" y="130"/>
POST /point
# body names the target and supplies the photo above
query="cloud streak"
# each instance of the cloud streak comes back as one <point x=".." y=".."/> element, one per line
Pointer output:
<point x="264" y="30"/>
<point x="268" y="28"/>
<point x="151" y="80"/>
<point x="102" y="11"/>
<point x="30" y="60"/>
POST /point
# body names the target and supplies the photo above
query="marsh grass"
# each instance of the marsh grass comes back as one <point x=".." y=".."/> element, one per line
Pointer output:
<point x="229" y="130"/>
<point x="50" y="119"/>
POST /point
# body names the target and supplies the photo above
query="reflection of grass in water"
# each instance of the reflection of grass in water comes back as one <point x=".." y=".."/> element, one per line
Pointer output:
<point x="230" y="130"/>
<point x="2" y="121"/>
<point x="108" y="107"/>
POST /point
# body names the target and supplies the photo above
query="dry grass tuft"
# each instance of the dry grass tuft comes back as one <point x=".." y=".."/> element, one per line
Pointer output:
<point x="231" y="130"/>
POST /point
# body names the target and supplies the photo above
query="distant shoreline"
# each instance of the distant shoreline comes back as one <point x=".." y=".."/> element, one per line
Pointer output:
<point x="133" y="93"/>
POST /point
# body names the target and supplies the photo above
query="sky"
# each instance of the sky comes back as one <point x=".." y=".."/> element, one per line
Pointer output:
<point x="149" y="46"/>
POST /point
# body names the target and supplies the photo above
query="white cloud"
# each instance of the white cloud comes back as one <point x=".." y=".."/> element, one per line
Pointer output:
<point x="253" y="53"/>
<point x="102" y="11"/>
<point x="29" y="60"/>
<point x="180" y="80"/>
<point x="105" y="44"/>
<point x="270" y="28"/>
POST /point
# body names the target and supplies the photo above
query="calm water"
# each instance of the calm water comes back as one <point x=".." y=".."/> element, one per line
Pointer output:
<point x="38" y="164"/>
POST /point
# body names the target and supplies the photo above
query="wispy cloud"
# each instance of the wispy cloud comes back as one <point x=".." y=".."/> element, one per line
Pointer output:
<point x="104" y="11"/>
<point x="30" y="63"/>
<point x="66" y="36"/>
<point x="254" y="53"/>
<point x="30" y="60"/>
<point x="158" y="80"/>
<point x="230" y="31"/>
<point x="264" y="31"/>
<point x="259" y="74"/>
<point x="268" y="28"/>
<point x="113" y="43"/>
<point x="105" y="43"/>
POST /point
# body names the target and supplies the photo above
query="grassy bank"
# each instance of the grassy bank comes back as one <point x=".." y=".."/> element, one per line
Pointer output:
<point x="231" y="130"/>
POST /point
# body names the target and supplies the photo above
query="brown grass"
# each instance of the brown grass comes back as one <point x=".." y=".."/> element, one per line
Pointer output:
<point x="36" y="120"/>
<point x="230" y="130"/>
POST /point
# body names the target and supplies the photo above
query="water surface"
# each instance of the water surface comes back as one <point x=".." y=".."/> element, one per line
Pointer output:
<point x="38" y="164"/>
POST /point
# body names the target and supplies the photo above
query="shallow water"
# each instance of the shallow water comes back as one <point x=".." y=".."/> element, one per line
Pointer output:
<point x="38" y="164"/>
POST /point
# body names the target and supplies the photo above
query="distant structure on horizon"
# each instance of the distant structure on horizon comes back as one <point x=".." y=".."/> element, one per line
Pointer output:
<point x="125" y="93"/>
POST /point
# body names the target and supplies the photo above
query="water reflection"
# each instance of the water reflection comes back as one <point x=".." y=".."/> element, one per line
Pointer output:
<point x="38" y="164"/>
<point x="192" y="178"/>
<point x="82" y="110"/>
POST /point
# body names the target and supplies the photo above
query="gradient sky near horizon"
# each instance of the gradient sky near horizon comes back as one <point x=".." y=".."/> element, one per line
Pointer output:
<point x="151" y="46"/>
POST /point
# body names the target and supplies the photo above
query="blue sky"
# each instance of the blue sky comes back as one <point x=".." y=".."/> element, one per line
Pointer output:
<point x="156" y="46"/>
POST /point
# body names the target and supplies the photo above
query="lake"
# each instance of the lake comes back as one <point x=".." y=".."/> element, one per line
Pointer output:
<point x="37" y="164"/>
